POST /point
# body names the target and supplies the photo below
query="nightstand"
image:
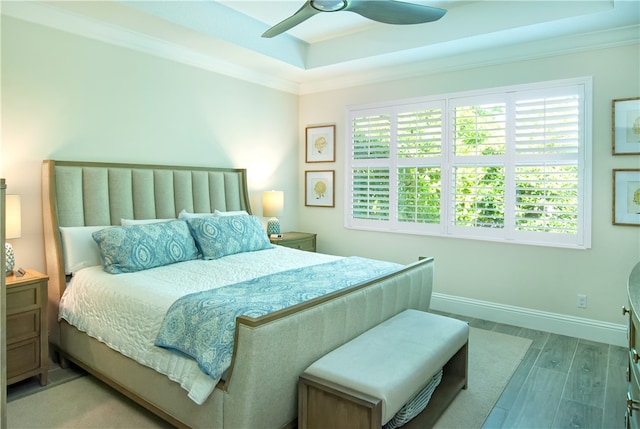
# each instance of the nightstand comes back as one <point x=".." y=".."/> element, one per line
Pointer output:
<point x="297" y="240"/>
<point x="27" y="336"/>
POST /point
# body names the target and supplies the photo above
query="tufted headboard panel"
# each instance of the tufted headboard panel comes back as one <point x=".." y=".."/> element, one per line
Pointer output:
<point x="87" y="194"/>
<point x="96" y="194"/>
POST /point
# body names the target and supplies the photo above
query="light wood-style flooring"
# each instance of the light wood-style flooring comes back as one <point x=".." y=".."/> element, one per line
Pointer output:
<point x="562" y="382"/>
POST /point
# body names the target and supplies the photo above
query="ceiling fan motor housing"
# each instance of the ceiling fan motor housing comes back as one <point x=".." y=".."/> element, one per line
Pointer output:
<point x="328" y="5"/>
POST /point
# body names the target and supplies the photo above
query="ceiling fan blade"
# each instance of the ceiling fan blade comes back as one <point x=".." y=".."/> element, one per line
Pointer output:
<point x="304" y="13"/>
<point x="395" y="12"/>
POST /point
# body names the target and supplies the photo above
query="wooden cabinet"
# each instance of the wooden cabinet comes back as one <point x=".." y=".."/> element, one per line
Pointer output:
<point x="297" y="240"/>
<point x="27" y="342"/>
<point x="633" y="373"/>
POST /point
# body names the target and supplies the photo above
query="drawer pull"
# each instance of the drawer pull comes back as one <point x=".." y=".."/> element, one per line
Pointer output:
<point x="634" y="356"/>
<point x="625" y="310"/>
<point x="631" y="404"/>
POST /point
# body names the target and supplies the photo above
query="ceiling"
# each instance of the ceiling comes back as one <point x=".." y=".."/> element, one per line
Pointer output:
<point x="333" y="50"/>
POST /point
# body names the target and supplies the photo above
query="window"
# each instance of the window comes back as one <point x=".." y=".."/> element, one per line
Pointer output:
<point x="509" y="164"/>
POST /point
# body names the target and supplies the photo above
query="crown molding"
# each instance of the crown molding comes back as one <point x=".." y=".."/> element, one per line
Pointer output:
<point x="70" y="22"/>
<point x="438" y="62"/>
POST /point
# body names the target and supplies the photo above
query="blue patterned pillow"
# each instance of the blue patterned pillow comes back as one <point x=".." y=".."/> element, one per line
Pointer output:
<point x="221" y="236"/>
<point x="127" y="249"/>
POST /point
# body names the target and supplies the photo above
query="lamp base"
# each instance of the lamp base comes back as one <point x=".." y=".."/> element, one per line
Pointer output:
<point x="273" y="226"/>
<point x="9" y="258"/>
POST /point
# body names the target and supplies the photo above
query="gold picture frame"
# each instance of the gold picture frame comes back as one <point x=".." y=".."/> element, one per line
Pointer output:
<point x="625" y="124"/>
<point x="320" y="143"/>
<point x="626" y="196"/>
<point x="319" y="188"/>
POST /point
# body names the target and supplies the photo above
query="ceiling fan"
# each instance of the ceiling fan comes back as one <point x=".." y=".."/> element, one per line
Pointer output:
<point x="387" y="11"/>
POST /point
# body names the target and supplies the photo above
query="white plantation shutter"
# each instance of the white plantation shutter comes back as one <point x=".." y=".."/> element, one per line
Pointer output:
<point x="479" y="146"/>
<point x="549" y="143"/>
<point x="479" y="128"/>
<point x="420" y="133"/>
<point x="371" y="137"/>
<point x="547" y="125"/>
<point x="547" y="198"/>
<point x="510" y="164"/>
<point x="419" y="189"/>
<point x="418" y="167"/>
<point x="370" y="193"/>
<point x="478" y="196"/>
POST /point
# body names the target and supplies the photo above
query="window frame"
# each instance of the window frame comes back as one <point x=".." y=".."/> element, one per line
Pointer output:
<point x="446" y="227"/>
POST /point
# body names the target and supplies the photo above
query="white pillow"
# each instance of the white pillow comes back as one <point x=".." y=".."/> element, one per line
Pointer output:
<point x="128" y="222"/>
<point x="79" y="248"/>
<point x="218" y="213"/>
<point x="186" y="215"/>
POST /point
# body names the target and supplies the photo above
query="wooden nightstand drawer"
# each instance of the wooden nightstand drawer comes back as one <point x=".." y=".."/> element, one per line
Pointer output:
<point x="22" y="298"/>
<point x="308" y="245"/>
<point x="26" y="318"/>
<point x="23" y="357"/>
<point x="297" y="240"/>
<point x="23" y="325"/>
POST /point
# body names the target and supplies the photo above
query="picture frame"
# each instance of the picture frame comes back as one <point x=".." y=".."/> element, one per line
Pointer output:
<point x="320" y="143"/>
<point x="319" y="188"/>
<point x="626" y="196"/>
<point x="625" y="124"/>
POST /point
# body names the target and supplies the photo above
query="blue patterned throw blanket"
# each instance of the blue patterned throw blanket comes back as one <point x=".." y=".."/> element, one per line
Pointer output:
<point x="202" y="324"/>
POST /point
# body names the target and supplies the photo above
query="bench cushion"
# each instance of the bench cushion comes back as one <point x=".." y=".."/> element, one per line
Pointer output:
<point x="395" y="359"/>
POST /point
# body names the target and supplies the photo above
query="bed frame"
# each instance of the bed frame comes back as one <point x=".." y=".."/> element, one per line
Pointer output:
<point x="270" y="352"/>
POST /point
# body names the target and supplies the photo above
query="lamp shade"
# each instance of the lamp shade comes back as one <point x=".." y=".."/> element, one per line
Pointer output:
<point x="12" y="222"/>
<point x="272" y="203"/>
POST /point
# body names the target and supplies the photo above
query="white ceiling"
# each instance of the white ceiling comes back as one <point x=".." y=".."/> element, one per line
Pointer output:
<point x="332" y="50"/>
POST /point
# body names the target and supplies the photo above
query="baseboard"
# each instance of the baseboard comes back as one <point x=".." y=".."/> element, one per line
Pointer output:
<point x="588" y="329"/>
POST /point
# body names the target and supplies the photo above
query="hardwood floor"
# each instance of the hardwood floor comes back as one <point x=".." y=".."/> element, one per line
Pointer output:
<point x="562" y="382"/>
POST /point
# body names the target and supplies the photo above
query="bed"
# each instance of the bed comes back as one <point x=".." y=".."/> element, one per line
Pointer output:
<point x="269" y="351"/>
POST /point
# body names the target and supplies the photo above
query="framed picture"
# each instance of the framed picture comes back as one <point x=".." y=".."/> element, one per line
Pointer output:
<point x="318" y="188"/>
<point x="321" y="143"/>
<point x="626" y="197"/>
<point x="625" y="118"/>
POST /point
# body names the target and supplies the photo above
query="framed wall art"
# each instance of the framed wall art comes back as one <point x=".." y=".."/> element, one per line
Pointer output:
<point x="321" y="143"/>
<point x="318" y="188"/>
<point x="626" y="197"/>
<point x="625" y="117"/>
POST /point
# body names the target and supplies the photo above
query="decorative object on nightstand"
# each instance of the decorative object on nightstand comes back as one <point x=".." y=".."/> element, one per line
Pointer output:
<point x="272" y="206"/>
<point x="297" y="240"/>
<point x="27" y="336"/>
<point x="13" y="229"/>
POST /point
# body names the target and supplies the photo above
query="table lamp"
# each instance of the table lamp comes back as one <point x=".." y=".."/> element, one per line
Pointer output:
<point x="272" y="206"/>
<point x="12" y="229"/>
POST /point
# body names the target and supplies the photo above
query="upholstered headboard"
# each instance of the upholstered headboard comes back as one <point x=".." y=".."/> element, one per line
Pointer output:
<point x="95" y="194"/>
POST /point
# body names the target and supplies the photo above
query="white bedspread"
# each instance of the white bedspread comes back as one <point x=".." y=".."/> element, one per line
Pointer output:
<point x="125" y="311"/>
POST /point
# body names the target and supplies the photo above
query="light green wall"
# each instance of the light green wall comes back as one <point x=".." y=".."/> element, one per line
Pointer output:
<point x="537" y="278"/>
<point x="68" y="97"/>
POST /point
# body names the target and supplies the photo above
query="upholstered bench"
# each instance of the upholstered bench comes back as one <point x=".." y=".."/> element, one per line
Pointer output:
<point x="367" y="381"/>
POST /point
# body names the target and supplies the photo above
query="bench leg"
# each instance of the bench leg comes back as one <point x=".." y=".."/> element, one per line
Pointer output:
<point x="322" y="405"/>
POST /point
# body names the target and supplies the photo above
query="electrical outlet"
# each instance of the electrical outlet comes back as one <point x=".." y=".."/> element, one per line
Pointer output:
<point x="582" y="301"/>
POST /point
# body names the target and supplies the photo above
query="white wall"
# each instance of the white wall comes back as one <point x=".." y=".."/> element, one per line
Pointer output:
<point x="72" y="98"/>
<point x="537" y="278"/>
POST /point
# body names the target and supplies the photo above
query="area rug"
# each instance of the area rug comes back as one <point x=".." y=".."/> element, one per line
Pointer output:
<point x="86" y="403"/>
<point x="493" y="358"/>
